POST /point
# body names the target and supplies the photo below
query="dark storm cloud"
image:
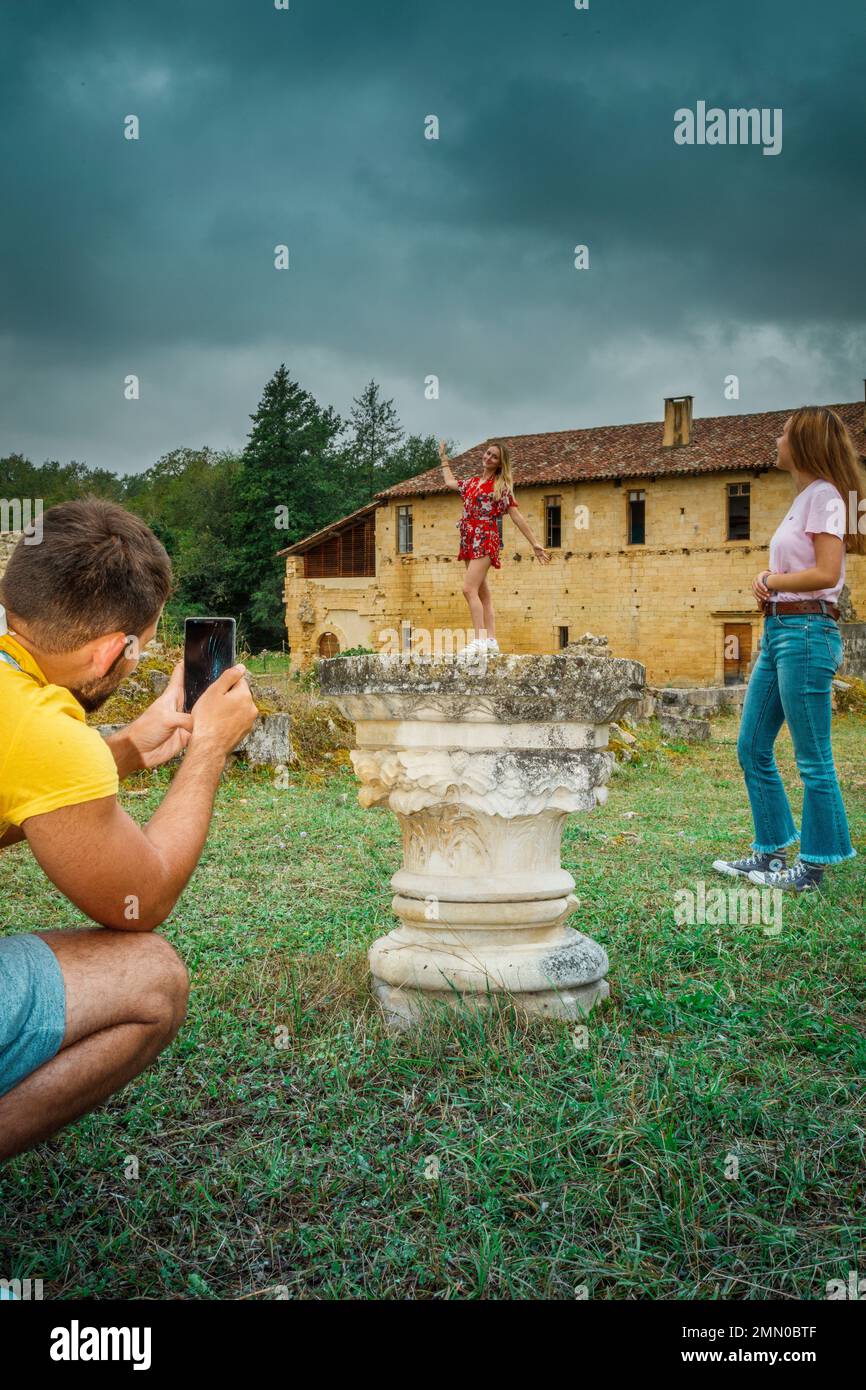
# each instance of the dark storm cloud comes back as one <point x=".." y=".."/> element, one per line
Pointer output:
<point x="411" y="256"/>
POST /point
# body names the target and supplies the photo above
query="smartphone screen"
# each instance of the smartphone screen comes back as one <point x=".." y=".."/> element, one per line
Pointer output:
<point x="208" y="650"/>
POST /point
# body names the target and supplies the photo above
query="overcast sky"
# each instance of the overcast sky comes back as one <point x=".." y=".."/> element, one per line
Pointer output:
<point x="409" y="256"/>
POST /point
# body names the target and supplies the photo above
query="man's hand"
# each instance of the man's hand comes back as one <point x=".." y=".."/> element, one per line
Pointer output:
<point x="163" y="730"/>
<point x="225" y="713"/>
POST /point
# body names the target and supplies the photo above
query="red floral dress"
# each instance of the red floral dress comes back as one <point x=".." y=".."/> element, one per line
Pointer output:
<point x="479" y="534"/>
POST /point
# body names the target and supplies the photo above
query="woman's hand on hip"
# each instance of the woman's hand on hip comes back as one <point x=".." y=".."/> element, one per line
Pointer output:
<point x="759" y="588"/>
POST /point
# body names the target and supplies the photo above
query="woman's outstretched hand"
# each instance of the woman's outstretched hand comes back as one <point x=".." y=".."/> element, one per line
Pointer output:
<point x="541" y="554"/>
<point x="443" y="452"/>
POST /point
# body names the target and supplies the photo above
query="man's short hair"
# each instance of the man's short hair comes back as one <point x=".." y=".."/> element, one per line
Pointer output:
<point x="97" y="569"/>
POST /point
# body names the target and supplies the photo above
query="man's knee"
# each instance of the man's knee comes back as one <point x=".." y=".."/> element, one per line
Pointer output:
<point x="166" y="984"/>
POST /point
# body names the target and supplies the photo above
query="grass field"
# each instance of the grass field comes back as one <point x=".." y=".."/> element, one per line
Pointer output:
<point x="287" y="1144"/>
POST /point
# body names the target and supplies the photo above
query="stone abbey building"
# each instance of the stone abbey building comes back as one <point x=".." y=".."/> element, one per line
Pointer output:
<point x="655" y="531"/>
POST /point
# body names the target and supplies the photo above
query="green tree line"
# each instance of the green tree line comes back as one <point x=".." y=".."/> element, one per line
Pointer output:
<point x="223" y="516"/>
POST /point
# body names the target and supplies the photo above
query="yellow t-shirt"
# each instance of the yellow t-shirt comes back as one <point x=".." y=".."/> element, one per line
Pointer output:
<point x="49" y="756"/>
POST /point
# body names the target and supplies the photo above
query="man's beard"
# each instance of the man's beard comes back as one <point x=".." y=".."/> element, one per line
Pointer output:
<point x="94" y="694"/>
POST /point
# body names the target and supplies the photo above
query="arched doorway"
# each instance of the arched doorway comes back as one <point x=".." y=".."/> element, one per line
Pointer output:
<point x="329" y="645"/>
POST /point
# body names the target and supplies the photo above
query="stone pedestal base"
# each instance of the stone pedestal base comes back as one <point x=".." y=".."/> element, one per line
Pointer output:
<point x="543" y="966"/>
<point x="482" y="768"/>
<point x="403" y="1007"/>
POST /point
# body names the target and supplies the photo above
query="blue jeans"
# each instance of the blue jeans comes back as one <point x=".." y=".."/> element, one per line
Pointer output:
<point x="800" y="654"/>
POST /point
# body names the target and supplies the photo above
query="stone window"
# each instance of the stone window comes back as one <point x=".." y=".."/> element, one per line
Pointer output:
<point x="404" y="530"/>
<point x="329" y="645"/>
<point x="553" y="523"/>
<point x="739" y="511"/>
<point x="637" y="518"/>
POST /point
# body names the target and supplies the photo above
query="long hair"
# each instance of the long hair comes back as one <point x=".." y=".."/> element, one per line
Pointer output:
<point x="504" y="476"/>
<point x="821" y="444"/>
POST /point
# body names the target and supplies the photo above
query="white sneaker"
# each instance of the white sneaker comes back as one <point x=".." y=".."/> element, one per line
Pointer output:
<point x="493" y="647"/>
<point x="472" y="651"/>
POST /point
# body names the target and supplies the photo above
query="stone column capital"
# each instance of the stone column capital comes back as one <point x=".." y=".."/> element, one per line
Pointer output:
<point x="561" y="689"/>
<point x="482" y="765"/>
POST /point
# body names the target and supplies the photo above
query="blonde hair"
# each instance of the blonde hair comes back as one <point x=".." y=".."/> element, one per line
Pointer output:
<point x="504" y="476"/>
<point x="821" y="445"/>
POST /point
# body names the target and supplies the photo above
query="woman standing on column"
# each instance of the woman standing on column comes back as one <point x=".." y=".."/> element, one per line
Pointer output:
<point x="801" y="650"/>
<point x="486" y="498"/>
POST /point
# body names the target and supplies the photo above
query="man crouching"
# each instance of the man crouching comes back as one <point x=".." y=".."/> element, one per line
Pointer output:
<point x="83" y="1011"/>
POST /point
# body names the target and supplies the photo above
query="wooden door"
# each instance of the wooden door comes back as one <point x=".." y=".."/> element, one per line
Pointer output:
<point x="738" y="652"/>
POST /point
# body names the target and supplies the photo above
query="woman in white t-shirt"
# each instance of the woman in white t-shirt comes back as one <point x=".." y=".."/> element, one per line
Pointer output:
<point x="801" y="650"/>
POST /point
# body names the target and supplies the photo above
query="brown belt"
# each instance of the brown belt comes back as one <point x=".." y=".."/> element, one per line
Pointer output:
<point x="772" y="607"/>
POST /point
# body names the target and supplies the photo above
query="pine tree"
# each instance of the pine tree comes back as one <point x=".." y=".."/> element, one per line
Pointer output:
<point x="376" y="434"/>
<point x="286" y="488"/>
<point x="417" y="454"/>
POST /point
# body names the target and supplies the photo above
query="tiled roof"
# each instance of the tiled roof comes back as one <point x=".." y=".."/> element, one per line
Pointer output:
<point x="719" y="443"/>
<point x="308" y="541"/>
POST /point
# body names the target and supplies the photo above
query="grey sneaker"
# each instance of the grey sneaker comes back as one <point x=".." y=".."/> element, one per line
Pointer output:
<point x="800" y="878"/>
<point x="753" y="863"/>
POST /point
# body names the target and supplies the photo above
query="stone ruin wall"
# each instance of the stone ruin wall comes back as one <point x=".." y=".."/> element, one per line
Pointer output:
<point x="8" y="542"/>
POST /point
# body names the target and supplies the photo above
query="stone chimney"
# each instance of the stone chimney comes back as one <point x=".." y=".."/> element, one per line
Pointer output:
<point x="678" y="421"/>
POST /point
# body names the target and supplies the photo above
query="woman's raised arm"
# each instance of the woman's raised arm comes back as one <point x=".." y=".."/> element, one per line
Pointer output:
<point x="450" y="480"/>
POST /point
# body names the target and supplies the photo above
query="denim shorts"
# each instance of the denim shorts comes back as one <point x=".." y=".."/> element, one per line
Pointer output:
<point x="32" y="1007"/>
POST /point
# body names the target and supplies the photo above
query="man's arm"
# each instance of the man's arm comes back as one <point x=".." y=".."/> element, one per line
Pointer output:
<point x="129" y="877"/>
<point x="12" y="836"/>
<point x="126" y="756"/>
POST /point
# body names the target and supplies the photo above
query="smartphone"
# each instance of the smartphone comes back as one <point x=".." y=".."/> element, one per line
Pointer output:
<point x="208" y="650"/>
